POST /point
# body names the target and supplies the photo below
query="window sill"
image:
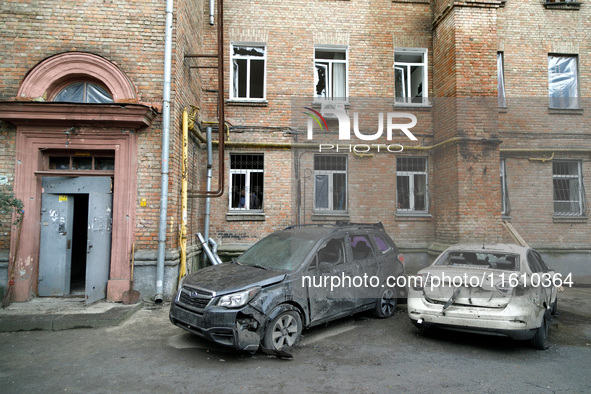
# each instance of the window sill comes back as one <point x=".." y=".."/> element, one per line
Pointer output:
<point x="417" y="106"/>
<point x="247" y="103"/>
<point x="507" y="218"/>
<point x="564" y="5"/>
<point x="413" y="216"/>
<point x="245" y="216"/>
<point x="565" y="111"/>
<point x="330" y="216"/>
<point x="570" y="219"/>
<point x="412" y="1"/>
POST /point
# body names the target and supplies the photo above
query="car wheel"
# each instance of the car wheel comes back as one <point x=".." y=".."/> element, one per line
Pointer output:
<point x="386" y="304"/>
<point x="540" y="340"/>
<point x="283" y="331"/>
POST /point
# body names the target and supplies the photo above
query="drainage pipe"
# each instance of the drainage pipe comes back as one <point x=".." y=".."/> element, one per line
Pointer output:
<point x="208" y="187"/>
<point x="211" y="7"/>
<point x="214" y="250"/>
<point x="184" y="162"/>
<point x="205" y="247"/>
<point x="158" y="298"/>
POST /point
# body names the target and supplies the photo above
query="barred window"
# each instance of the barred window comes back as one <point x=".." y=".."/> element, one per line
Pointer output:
<point x="568" y="188"/>
<point x="411" y="184"/>
<point x="246" y="182"/>
<point x="330" y="182"/>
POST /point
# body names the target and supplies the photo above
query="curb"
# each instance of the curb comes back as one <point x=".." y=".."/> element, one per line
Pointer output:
<point x="57" y="322"/>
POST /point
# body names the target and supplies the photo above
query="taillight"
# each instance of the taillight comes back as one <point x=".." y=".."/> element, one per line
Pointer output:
<point x="400" y="258"/>
<point x="417" y="282"/>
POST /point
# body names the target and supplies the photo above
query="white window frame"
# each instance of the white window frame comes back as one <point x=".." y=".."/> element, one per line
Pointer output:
<point x="330" y="174"/>
<point x="407" y="99"/>
<point x="247" y="186"/>
<point x="233" y="92"/>
<point x="329" y="77"/>
<point x="505" y="206"/>
<point x="564" y="102"/>
<point x="581" y="189"/>
<point x="411" y="195"/>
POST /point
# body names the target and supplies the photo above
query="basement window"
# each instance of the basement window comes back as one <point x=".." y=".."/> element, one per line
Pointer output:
<point x="246" y="182"/>
<point x="411" y="185"/>
<point x="248" y="72"/>
<point x="569" y="192"/>
<point x="563" y="81"/>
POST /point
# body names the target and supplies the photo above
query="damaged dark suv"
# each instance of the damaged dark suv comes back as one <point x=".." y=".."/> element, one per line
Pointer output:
<point x="292" y="279"/>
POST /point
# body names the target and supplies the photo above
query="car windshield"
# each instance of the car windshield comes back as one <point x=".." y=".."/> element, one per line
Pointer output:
<point x="480" y="259"/>
<point x="279" y="251"/>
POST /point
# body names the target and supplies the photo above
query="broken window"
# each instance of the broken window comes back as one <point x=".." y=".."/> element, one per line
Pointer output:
<point x="563" y="82"/>
<point x="506" y="208"/>
<point x="569" y="194"/>
<point x="330" y="182"/>
<point x="411" y="184"/>
<point x="246" y="182"/>
<point x="84" y="92"/>
<point x="410" y="76"/>
<point x="501" y="79"/>
<point x="248" y="72"/>
<point x="330" y="77"/>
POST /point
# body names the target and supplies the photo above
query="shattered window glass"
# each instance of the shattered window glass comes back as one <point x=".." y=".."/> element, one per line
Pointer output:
<point x="410" y="76"/>
<point x="330" y="78"/>
<point x="279" y="251"/>
<point x="563" y="82"/>
<point x="248" y="72"/>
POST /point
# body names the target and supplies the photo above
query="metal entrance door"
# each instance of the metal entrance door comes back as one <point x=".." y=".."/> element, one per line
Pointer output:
<point x="100" y="223"/>
<point x="55" y="258"/>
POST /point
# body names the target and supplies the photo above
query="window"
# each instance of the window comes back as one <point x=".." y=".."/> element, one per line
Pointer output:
<point x="246" y="182"/>
<point x="84" y="92"/>
<point x="410" y="76"/>
<point x="361" y="248"/>
<point x="330" y="182"/>
<point x="81" y="161"/>
<point x="411" y="184"/>
<point x="506" y="208"/>
<point x="568" y="188"/>
<point x="501" y="79"/>
<point x="330" y="78"/>
<point x="563" y="83"/>
<point x="248" y="72"/>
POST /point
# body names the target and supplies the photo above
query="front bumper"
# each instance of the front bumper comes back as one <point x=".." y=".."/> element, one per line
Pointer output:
<point x="519" y="323"/>
<point x="237" y="328"/>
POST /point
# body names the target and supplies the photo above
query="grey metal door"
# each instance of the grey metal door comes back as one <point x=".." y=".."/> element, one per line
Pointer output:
<point x="98" y="258"/>
<point x="55" y="251"/>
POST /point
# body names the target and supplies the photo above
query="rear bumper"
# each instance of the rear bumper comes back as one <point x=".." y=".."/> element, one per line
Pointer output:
<point x="515" y="323"/>
<point x="239" y="328"/>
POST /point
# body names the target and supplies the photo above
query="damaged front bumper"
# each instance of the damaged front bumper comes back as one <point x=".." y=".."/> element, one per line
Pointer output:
<point x="510" y="321"/>
<point x="237" y="328"/>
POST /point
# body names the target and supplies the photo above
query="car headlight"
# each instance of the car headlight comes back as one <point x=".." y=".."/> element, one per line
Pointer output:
<point x="241" y="298"/>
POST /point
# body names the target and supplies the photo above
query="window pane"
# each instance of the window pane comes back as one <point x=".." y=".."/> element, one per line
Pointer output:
<point x="400" y="85"/>
<point x="257" y="79"/>
<point x="73" y="93"/>
<point x="321" y="192"/>
<point x="563" y="81"/>
<point x="104" y="163"/>
<point x="247" y="162"/>
<point x="339" y="80"/>
<point x="238" y="192"/>
<point x="330" y="163"/>
<point x="96" y="94"/>
<point x="59" y="163"/>
<point x="339" y="192"/>
<point x="256" y="190"/>
<point x="501" y="80"/>
<point x="414" y="164"/>
<point x="403" y="195"/>
<point x="82" y="163"/>
<point x="249" y="51"/>
<point x="240" y="68"/>
<point x="320" y="80"/>
<point x="420" y="192"/>
<point x="330" y="55"/>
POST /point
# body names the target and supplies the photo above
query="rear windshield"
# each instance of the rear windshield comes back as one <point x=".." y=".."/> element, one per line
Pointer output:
<point x="279" y="251"/>
<point x="480" y="259"/>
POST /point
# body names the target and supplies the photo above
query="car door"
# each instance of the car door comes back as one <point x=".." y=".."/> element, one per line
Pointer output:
<point x="539" y="280"/>
<point x="324" y="287"/>
<point x="363" y="268"/>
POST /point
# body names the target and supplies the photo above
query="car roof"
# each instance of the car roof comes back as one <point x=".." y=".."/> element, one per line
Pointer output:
<point x="501" y="248"/>
<point x="308" y="231"/>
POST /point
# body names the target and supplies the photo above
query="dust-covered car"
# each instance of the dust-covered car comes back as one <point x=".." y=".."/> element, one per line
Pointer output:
<point x="292" y="279"/>
<point x="500" y="289"/>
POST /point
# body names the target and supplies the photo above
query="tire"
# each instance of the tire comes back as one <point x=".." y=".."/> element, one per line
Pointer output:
<point x="540" y="340"/>
<point x="283" y="331"/>
<point x="386" y="303"/>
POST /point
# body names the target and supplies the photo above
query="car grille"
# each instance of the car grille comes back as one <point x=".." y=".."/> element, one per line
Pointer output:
<point x="196" y="299"/>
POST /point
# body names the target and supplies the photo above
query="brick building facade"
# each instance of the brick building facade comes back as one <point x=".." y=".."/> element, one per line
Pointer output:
<point x="498" y="90"/>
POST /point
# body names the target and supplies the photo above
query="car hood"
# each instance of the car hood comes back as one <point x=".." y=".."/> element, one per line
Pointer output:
<point x="229" y="277"/>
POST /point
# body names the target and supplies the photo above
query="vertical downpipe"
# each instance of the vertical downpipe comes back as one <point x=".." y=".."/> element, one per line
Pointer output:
<point x="158" y="298"/>
<point x="211" y="9"/>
